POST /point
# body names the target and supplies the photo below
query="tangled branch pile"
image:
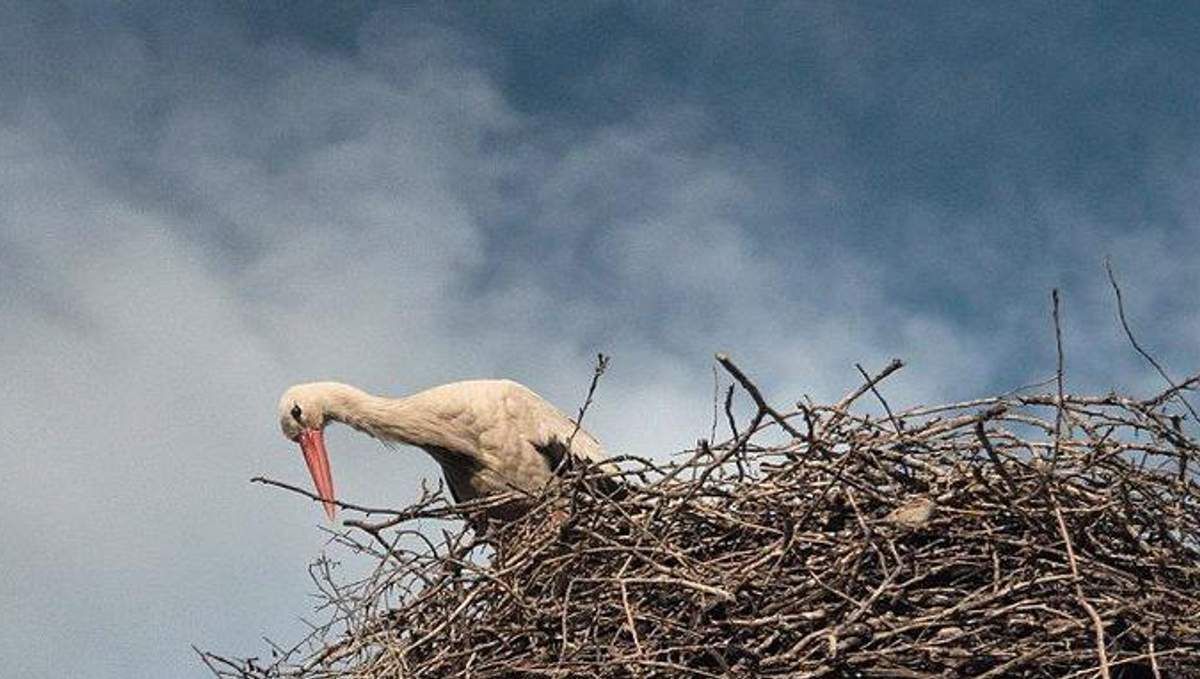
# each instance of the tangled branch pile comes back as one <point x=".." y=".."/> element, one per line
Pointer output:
<point x="1021" y="535"/>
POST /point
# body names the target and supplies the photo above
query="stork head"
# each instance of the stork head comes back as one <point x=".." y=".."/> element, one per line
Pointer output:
<point x="303" y="411"/>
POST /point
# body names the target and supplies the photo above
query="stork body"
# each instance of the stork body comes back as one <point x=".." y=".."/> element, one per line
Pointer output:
<point x="488" y="436"/>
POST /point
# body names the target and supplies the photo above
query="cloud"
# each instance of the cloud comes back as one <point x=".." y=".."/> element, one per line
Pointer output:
<point x="199" y="208"/>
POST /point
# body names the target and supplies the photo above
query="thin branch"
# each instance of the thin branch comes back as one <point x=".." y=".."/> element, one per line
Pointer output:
<point x="890" y="368"/>
<point x="895" y="423"/>
<point x="712" y="434"/>
<point x="601" y="366"/>
<point x="1097" y="623"/>
<point x="1058" y="375"/>
<point x="317" y="498"/>
<point x="995" y="458"/>
<point x="1112" y="278"/>
<point x="729" y="418"/>
<point x="755" y="394"/>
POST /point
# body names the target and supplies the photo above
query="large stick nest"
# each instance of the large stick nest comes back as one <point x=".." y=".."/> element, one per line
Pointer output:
<point x="1020" y="535"/>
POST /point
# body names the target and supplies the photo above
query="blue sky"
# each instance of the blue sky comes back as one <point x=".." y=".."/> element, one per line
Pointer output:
<point x="201" y="204"/>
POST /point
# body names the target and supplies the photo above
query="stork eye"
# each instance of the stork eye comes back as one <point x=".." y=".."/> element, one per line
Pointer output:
<point x="296" y="412"/>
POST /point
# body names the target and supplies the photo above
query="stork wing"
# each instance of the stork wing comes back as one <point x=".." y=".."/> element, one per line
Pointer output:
<point x="562" y="462"/>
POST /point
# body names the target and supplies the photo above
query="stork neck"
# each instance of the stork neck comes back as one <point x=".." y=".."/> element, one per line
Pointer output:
<point x="387" y="419"/>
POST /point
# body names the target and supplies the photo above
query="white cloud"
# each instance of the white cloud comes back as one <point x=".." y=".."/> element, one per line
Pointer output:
<point x="183" y="235"/>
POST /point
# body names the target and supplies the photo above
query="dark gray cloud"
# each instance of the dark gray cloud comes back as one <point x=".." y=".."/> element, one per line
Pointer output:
<point x="201" y="205"/>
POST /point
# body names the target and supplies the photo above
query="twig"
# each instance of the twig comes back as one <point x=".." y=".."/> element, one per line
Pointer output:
<point x="712" y="434"/>
<point x="1097" y="623"/>
<point x="317" y="498"/>
<point x="755" y="394"/>
<point x="890" y="368"/>
<point x="1058" y="375"/>
<point x="601" y="366"/>
<point x="1175" y="389"/>
<point x="995" y="458"/>
<point x="729" y="418"/>
<point x="737" y="458"/>
<point x="1112" y="278"/>
<point x="886" y="408"/>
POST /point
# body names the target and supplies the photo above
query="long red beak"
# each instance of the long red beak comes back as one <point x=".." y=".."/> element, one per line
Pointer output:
<point x="312" y="444"/>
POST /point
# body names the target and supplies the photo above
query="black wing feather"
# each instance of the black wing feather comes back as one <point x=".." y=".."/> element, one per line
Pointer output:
<point x="561" y="463"/>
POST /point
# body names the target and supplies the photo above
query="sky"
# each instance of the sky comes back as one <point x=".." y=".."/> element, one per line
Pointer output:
<point x="202" y="203"/>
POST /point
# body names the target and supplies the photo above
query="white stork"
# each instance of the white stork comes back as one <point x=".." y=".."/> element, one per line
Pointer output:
<point x="489" y="436"/>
